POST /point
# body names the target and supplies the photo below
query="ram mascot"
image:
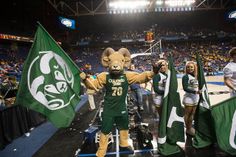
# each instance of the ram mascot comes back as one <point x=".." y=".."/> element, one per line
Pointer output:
<point x="116" y="83"/>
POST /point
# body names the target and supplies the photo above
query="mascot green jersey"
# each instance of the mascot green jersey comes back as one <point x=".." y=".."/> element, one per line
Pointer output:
<point x="116" y="83"/>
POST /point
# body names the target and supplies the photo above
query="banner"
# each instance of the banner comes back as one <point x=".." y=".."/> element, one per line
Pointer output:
<point x="50" y="82"/>
<point x="203" y="123"/>
<point x="224" y="117"/>
<point x="171" y="125"/>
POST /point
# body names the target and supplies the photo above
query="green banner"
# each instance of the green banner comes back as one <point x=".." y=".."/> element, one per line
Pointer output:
<point x="50" y="82"/>
<point x="224" y="117"/>
<point x="171" y="126"/>
<point x="203" y="123"/>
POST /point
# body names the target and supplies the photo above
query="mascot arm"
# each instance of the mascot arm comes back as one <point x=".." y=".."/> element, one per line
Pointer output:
<point x="97" y="83"/>
<point x="134" y="77"/>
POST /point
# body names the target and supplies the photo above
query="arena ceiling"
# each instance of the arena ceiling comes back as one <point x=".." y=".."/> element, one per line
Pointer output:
<point x="95" y="7"/>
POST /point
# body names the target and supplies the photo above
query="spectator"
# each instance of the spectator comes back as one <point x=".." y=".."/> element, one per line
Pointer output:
<point x="91" y="92"/>
<point x="137" y="90"/>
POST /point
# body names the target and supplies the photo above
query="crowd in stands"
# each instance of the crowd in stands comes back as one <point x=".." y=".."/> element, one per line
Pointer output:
<point x="10" y="68"/>
<point x="213" y="52"/>
<point x="214" y="55"/>
<point x="160" y="33"/>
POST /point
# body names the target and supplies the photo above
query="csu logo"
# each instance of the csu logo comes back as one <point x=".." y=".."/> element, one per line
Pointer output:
<point x="48" y="80"/>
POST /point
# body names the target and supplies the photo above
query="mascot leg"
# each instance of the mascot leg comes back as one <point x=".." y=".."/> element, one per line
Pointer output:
<point x="101" y="152"/>
<point x="124" y="145"/>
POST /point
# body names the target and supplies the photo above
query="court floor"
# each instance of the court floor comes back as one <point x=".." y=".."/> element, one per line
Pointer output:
<point x="217" y="90"/>
<point x="216" y="86"/>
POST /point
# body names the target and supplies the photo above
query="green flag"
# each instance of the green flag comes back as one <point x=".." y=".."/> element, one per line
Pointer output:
<point x="202" y="120"/>
<point x="171" y="126"/>
<point x="224" y="117"/>
<point x="50" y="82"/>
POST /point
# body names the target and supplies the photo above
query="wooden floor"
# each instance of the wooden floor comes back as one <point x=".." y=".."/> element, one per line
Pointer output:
<point x="212" y="87"/>
<point x="214" y="99"/>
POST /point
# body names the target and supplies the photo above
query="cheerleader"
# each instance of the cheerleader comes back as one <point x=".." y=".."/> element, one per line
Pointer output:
<point x="191" y="96"/>
<point x="159" y="80"/>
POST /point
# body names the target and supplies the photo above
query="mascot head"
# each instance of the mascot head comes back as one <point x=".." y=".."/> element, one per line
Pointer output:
<point x="116" y="61"/>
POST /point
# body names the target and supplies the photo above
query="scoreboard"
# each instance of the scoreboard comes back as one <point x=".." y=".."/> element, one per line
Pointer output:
<point x="149" y="36"/>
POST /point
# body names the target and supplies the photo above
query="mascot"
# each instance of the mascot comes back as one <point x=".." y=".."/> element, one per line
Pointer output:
<point x="116" y="83"/>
